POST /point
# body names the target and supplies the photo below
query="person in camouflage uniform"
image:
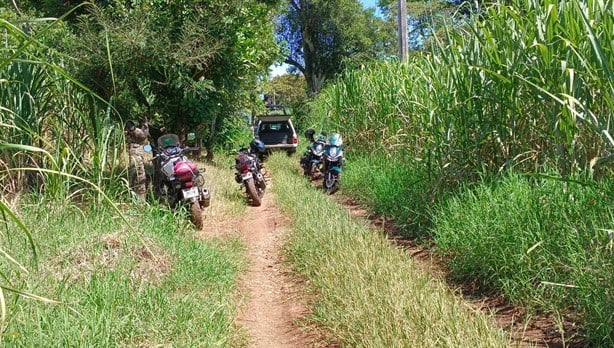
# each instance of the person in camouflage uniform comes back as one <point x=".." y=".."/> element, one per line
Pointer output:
<point x="137" y="137"/>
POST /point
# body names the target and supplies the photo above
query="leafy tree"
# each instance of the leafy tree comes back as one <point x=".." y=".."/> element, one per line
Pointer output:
<point x="287" y="89"/>
<point x="55" y="9"/>
<point x="186" y="64"/>
<point x="425" y="18"/>
<point x="321" y="36"/>
<point x="290" y="90"/>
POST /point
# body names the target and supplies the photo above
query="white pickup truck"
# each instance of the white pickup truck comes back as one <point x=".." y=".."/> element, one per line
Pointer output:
<point x="276" y="132"/>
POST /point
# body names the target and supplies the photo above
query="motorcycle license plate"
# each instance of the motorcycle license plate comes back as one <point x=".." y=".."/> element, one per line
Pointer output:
<point x="246" y="176"/>
<point x="190" y="193"/>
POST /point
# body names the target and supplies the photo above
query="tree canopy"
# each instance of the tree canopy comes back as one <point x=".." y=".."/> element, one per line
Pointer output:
<point x="186" y="64"/>
<point x="320" y="37"/>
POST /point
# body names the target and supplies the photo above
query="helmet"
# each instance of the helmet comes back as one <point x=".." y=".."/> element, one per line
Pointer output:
<point x="309" y="134"/>
<point x="130" y="126"/>
<point x="257" y="146"/>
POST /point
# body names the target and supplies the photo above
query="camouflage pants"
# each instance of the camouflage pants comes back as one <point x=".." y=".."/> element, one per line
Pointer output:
<point x="136" y="170"/>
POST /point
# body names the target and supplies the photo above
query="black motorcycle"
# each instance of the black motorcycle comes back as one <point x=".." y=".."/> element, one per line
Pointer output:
<point x="249" y="172"/>
<point x="177" y="180"/>
<point x="312" y="159"/>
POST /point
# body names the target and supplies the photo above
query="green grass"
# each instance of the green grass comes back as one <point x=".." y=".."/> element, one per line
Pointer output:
<point x="395" y="187"/>
<point x="542" y="242"/>
<point x="524" y="86"/>
<point x="527" y="84"/>
<point x="368" y="292"/>
<point x="157" y="285"/>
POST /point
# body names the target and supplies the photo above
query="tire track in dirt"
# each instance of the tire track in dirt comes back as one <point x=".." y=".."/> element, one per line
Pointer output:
<point x="271" y="305"/>
<point x="271" y="311"/>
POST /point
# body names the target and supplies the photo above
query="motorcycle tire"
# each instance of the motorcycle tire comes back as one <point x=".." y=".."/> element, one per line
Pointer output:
<point x="305" y="167"/>
<point x="330" y="183"/>
<point x="196" y="215"/>
<point x="313" y="171"/>
<point x="252" y="193"/>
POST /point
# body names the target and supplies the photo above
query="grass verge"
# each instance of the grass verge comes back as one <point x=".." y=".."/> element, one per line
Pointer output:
<point x="368" y="292"/>
<point x="173" y="289"/>
<point x="394" y="187"/>
<point x="544" y="243"/>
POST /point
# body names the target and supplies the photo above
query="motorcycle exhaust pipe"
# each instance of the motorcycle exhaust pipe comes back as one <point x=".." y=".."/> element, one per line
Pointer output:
<point x="206" y="197"/>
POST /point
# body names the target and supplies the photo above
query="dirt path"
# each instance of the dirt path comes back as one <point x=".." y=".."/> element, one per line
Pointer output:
<point x="271" y="305"/>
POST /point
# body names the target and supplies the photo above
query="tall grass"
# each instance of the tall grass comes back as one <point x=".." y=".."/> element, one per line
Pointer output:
<point x="529" y="84"/>
<point x="44" y="107"/>
<point x="395" y="187"/>
<point x="524" y="86"/>
<point x="368" y="292"/>
<point x="542" y="245"/>
<point x="57" y="142"/>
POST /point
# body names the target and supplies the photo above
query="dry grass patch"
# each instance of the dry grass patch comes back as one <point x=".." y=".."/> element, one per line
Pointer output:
<point x="106" y="253"/>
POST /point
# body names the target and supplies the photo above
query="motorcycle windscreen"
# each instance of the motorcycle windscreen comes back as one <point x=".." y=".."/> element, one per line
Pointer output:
<point x="168" y="140"/>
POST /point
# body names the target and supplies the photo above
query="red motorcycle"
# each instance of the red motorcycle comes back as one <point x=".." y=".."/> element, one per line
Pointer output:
<point x="248" y="171"/>
<point x="178" y="180"/>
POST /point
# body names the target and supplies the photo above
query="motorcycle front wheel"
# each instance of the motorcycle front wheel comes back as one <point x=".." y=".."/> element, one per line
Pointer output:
<point x="196" y="214"/>
<point x="330" y="183"/>
<point x="252" y="193"/>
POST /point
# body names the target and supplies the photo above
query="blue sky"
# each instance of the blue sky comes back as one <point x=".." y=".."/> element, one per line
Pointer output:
<point x="369" y="3"/>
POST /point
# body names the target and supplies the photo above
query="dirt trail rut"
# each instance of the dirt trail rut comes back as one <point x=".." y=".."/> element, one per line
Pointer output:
<point x="271" y="306"/>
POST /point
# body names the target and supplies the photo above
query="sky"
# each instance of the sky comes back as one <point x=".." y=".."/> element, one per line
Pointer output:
<point x="369" y="3"/>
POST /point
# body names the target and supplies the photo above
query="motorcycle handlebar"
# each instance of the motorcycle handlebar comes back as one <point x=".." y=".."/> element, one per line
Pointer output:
<point x="182" y="150"/>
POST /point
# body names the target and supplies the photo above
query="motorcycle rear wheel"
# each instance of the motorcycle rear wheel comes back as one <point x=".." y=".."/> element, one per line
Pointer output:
<point x="196" y="215"/>
<point x="252" y="193"/>
<point x="313" y="171"/>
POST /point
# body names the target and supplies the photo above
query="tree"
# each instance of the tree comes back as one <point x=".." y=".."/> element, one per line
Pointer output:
<point x="425" y="18"/>
<point x="321" y="36"/>
<point x="288" y="89"/>
<point x="187" y="63"/>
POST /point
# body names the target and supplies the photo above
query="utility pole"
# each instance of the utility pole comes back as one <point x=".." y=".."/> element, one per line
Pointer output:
<point x="403" y="31"/>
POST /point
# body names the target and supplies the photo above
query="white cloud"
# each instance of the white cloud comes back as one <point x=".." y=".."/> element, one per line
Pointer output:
<point x="278" y="70"/>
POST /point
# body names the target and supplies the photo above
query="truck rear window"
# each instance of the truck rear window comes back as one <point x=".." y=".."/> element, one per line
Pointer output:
<point x="274" y="127"/>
